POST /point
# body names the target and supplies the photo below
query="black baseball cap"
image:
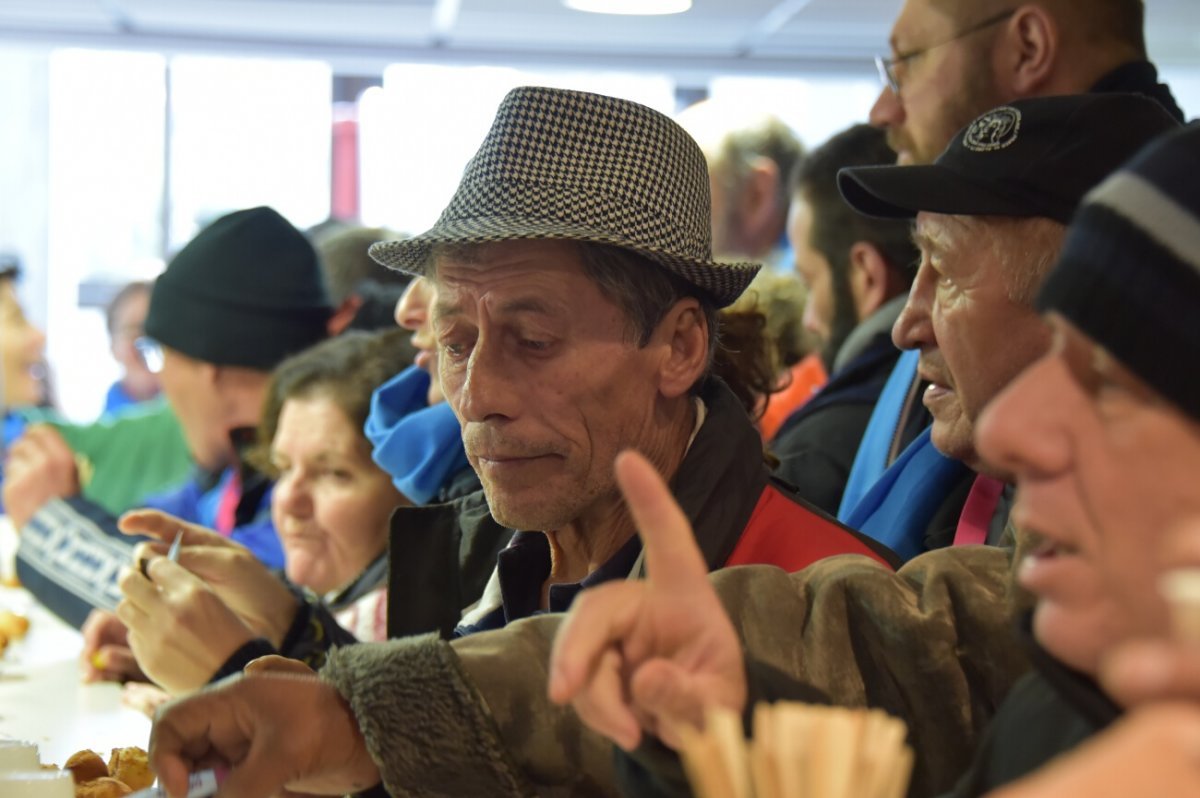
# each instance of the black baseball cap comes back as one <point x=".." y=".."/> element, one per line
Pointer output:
<point x="1032" y="157"/>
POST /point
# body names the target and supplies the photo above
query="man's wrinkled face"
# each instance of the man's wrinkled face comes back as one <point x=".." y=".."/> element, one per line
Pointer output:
<point x="1105" y="467"/>
<point x="545" y="376"/>
<point x="412" y="313"/>
<point x="941" y="89"/>
<point x="972" y="335"/>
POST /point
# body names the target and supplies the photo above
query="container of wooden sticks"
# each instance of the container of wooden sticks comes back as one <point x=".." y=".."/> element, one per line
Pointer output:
<point x="799" y="751"/>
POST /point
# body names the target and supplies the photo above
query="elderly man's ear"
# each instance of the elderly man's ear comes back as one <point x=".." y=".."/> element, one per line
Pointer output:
<point x="1031" y="57"/>
<point x="682" y="337"/>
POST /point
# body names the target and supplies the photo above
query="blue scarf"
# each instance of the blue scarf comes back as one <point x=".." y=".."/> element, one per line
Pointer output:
<point x="871" y="460"/>
<point x="898" y="507"/>
<point x="420" y="446"/>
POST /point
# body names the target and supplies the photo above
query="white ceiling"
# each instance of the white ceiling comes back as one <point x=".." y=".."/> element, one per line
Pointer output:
<point x="768" y="36"/>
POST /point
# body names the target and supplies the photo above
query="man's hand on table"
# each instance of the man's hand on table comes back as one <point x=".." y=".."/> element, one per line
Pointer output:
<point x="649" y="654"/>
<point x="144" y="697"/>
<point x="106" y="654"/>
<point x="40" y="466"/>
<point x="277" y="727"/>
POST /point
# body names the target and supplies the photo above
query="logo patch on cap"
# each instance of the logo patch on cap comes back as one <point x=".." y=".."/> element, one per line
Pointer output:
<point x="993" y="131"/>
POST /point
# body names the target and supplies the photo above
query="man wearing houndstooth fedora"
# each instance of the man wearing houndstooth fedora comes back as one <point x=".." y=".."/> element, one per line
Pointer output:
<point x="575" y="301"/>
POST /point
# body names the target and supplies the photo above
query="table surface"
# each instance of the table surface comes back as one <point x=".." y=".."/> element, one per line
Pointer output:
<point x="41" y="696"/>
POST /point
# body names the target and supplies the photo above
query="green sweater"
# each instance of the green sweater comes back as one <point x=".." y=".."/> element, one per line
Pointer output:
<point x="128" y="455"/>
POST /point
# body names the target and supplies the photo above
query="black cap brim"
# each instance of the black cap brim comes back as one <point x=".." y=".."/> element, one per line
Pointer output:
<point x="900" y="192"/>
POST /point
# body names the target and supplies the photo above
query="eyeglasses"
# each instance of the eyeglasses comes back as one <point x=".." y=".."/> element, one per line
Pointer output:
<point x="151" y="352"/>
<point x="887" y="65"/>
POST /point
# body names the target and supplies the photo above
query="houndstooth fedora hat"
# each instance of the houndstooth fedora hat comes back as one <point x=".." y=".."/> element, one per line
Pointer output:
<point x="570" y="165"/>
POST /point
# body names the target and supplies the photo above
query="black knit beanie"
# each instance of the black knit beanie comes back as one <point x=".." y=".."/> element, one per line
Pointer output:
<point x="1129" y="275"/>
<point x="246" y="291"/>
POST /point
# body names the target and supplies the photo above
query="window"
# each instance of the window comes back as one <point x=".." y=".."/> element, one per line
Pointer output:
<point x="135" y="171"/>
<point x="418" y="131"/>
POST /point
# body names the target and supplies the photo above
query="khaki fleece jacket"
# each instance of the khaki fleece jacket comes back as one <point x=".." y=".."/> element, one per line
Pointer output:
<point x="932" y="643"/>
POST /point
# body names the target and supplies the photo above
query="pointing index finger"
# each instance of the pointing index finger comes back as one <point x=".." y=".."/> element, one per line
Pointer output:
<point x="673" y="560"/>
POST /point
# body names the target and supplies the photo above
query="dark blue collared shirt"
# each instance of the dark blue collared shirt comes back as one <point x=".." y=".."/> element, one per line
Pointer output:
<point x="524" y="566"/>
